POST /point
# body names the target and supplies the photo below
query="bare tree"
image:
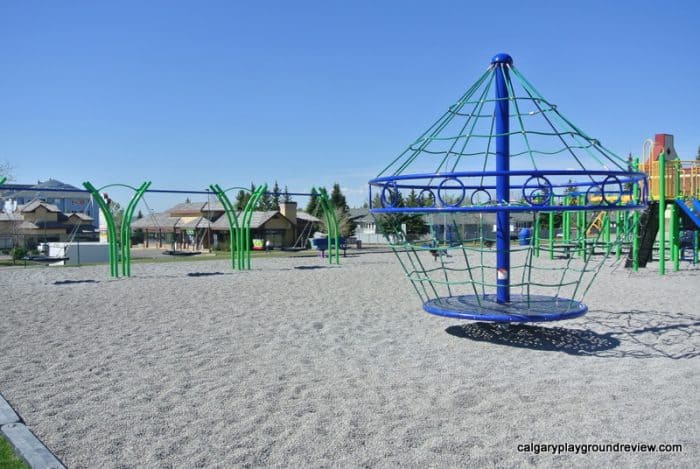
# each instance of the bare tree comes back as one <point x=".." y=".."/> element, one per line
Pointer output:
<point x="6" y="170"/>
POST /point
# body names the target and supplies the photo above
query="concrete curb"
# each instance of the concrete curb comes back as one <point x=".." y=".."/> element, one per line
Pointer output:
<point x="7" y="413"/>
<point x="27" y="446"/>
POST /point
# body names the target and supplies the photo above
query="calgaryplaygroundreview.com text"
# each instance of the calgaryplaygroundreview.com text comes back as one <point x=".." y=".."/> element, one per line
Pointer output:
<point x="575" y="448"/>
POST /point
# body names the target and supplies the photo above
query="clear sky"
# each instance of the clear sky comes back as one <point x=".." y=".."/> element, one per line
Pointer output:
<point x="188" y="93"/>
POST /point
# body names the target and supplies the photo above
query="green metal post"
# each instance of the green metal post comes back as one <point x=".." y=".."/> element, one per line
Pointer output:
<point x="551" y="235"/>
<point x="245" y="224"/>
<point x="618" y="240"/>
<point x="675" y="219"/>
<point x="606" y="230"/>
<point x="695" y="247"/>
<point x="672" y="229"/>
<point x="336" y="235"/>
<point x="126" y="228"/>
<point x="232" y="222"/>
<point x="332" y="224"/>
<point x="111" y="230"/>
<point x="2" y="180"/>
<point x="662" y="213"/>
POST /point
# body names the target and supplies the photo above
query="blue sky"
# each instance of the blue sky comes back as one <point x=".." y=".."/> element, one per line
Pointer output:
<point x="310" y="93"/>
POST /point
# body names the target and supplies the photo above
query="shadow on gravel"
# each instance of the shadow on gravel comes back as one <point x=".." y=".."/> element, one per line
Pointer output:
<point x="203" y="274"/>
<point x="650" y="334"/>
<point x="71" y="282"/>
<point x="550" y="339"/>
<point x="631" y="334"/>
<point x="311" y="267"/>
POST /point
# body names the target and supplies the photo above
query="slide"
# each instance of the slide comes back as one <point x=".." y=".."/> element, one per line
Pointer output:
<point x="648" y="228"/>
<point x="690" y="210"/>
<point x="696" y="204"/>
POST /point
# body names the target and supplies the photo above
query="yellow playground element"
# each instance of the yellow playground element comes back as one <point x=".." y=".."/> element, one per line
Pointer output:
<point x="597" y="198"/>
<point x="596" y="225"/>
<point x="680" y="178"/>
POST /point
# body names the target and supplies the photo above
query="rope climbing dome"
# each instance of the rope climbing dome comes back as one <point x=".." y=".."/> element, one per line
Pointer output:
<point x="501" y="150"/>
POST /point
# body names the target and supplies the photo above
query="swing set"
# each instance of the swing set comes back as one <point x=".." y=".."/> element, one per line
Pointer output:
<point x="239" y="224"/>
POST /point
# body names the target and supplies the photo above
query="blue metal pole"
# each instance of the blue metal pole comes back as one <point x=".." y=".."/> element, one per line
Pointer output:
<point x="501" y="62"/>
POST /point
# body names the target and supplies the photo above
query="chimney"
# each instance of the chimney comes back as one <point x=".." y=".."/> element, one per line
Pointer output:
<point x="289" y="210"/>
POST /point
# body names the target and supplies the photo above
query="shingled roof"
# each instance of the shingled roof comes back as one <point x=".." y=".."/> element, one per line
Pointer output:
<point x="35" y="204"/>
<point x="257" y="220"/>
<point x="186" y="208"/>
<point x="156" y="221"/>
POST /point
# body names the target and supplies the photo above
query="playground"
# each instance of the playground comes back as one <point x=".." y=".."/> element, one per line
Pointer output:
<point x="297" y="362"/>
<point x="303" y="361"/>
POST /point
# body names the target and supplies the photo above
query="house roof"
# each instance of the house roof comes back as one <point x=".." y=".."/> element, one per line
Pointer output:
<point x="185" y="208"/>
<point x="164" y="221"/>
<point x="35" y="204"/>
<point x="358" y="212"/>
<point x="307" y="217"/>
<point x="80" y="215"/>
<point x="257" y="220"/>
<point x="27" y="225"/>
<point x="11" y="216"/>
<point x="66" y="190"/>
<point x="199" y="222"/>
<point x="155" y="221"/>
<point x="213" y="206"/>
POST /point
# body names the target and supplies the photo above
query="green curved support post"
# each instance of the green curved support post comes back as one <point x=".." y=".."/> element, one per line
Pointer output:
<point x="2" y="180"/>
<point x="244" y="237"/>
<point x="126" y="228"/>
<point x="332" y="224"/>
<point x="232" y="222"/>
<point x="111" y="230"/>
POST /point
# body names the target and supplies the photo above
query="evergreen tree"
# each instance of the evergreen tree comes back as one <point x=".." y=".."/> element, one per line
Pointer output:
<point x="337" y="198"/>
<point x="338" y="202"/>
<point x="6" y="170"/>
<point x="312" y="206"/>
<point x="265" y="202"/>
<point x="275" y="201"/>
<point x="285" y="196"/>
<point x="241" y="199"/>
<point x="412" y="200"/>
<point x="697" y="157"/>
<point x="427" y="199"/>
<point x="139" y="215"/>
<point x="415" y="223"/>
<point x="389" y="223"/>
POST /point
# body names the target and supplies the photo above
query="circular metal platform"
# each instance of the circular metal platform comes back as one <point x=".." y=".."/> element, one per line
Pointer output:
<point x="521" y="308"/>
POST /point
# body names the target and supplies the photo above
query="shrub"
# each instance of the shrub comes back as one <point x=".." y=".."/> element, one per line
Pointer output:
<point x="18" y="253"/>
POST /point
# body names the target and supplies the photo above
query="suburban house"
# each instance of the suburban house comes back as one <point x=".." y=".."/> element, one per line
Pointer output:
<point x="40" y="222"/>
<point x="199" y="225"/>
<point x="449" y="227"/>
<point x="66" y="198"/>
<point x="47" y="211"/>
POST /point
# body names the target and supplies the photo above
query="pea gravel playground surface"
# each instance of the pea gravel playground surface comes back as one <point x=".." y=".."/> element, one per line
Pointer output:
<point x="297" y="363"/>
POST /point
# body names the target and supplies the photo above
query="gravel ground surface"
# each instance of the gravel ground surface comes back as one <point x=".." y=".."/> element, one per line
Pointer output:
<point x="298" y="363"/>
